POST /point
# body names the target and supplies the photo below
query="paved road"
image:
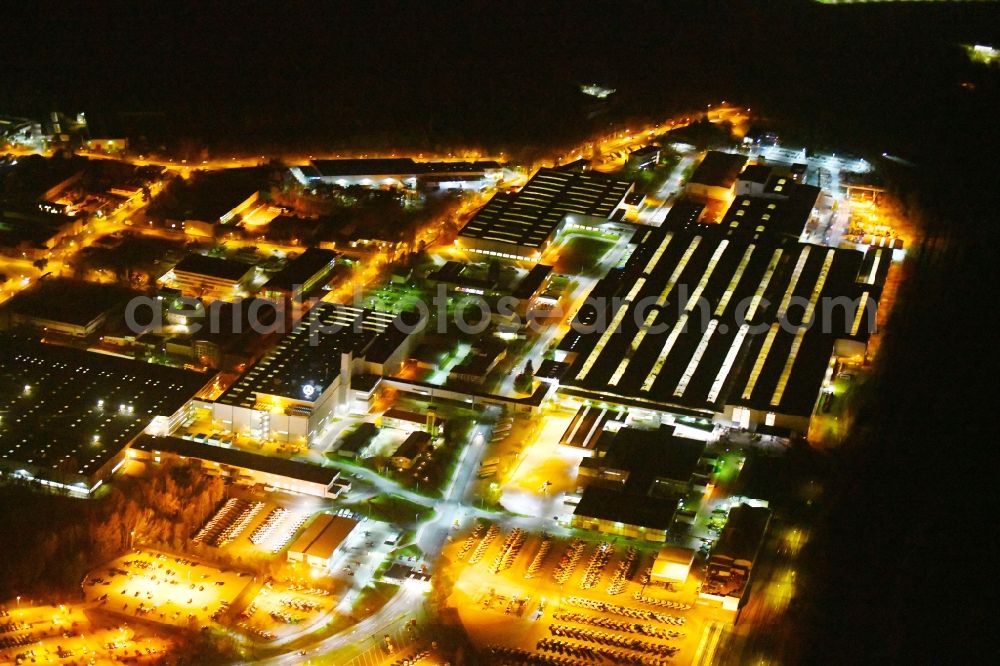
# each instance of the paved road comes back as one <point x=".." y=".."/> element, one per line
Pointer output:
<point x="667" y="193"/>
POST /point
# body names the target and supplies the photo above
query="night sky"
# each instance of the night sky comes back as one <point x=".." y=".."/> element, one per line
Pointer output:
<point x="473" y="73"/>
<point x="899" y="566"/>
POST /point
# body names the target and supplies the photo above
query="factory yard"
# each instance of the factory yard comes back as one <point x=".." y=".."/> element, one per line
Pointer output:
<point x="165" y="588"/>
<point x="68" y="635"/>
<point x="531" y="597"/>
<point x="284" y="610"/>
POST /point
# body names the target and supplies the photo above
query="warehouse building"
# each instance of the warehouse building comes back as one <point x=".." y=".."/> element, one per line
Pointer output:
<point x="294" y="390"/>
<point x="708" y="322"/>
<point x="319" y="544"/>
<point x="646" y="157"/>
<point x="672" y="565"/>
<point x="67" y="307"/>
<point x="301" y="276"/>
<point x="785" y="216"/>
<point x="68" y="415"/>
<point x="416" y="444"/>
<point x="730" y="565"/>
<point x="400" y="172"/>
<point x="716" y="175"/>
<point x="636" y="481"/>
<point x="522" y="225"/>
<point x="240" y="466"/>
<point x="209" y="278"/>
<point x="589" y="425"/>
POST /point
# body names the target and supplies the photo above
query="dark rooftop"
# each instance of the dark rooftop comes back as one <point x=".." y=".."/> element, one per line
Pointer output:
<point x="683" y="213"/>
<point x="31" y="228"/>
<point x="743" y="533"/>
<point x="310" y="354"/>
<point x="300" y="270"/>
<point x="645" y="151"/>
<point x="358" y="438"/>
<point x="217" y="267"/>
<point x="648" y="455"/>
<point x="529" y="217"/>
<point x="69" y="301"/>
<point x="71" y="410"/>
<point x="550" y="369"/>
<point x="230" y="322"/>
<point x="532" y="282"/>
<point x="395" y="166"/>
<point x="208" y="195"/>
<point x="609" y="504"/>
<point x="757" y="173"/>
<point x="414" y="444"/>
<point x="186" y="448"/>
<point x="718" y="169"/>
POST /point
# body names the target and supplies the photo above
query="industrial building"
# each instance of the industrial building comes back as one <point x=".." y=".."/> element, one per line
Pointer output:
<point x="719" y="323"/>
<point x="636" y="481"/>
<point x="672" y="565"/>
<point x="67" y="416"/>
<point x="209" y="278"/>
<point x="400" y="172"/>
<point x="321" y="541"/>
<point x="646" y="157"/>
<point x="241" y="466"/>
<point x="715" y="177"/>
<point x="784" y="216"/>
<point x="731" y="562"/>
<point x="301" y="276"/>
<point x="753" y="179"/>
<point x="589" y="424"/>
<point x="293" y="391"/>
<point x="354" y="443"/>
<point x="416" y="444"/>
<point x="522" y="225"/>
<point x="402" y="419"/>
<point x="33" y="235"/>
<point x="200" y="204"/>
<point x="234" y="334"/>
<point x="67" y="307"/>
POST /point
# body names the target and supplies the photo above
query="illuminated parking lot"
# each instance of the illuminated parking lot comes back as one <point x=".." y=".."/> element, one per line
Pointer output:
<point x="164" y="588"/>
<point x="572" y="597"/>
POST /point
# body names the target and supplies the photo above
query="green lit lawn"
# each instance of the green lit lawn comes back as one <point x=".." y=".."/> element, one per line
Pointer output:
<point x="393" y="509"/>
<point x="580" y="254"/>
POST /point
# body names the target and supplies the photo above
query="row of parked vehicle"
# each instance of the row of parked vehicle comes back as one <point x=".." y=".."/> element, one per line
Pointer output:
<point x="624" y="572"/>
<point x="228" y="522"/>
<point x="625" y="611"/>
<point x="508" y="551"/>
<point x="470" y="541"/>
<point x="614" y="639"/>
<point x="599" y="653"/>
<point x="508" y="656"/>
<point x="567" y="564"/>
<point x="662" y="603"/>
<point x="492" y="533"/>
<point x="543" y="551"/>
<point x="595" y="567"/>
<point x="617" y="625"/>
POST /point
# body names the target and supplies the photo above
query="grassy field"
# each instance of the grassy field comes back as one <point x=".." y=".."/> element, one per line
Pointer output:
<point x="393" y="509"/>
<point x="580" y="254"/>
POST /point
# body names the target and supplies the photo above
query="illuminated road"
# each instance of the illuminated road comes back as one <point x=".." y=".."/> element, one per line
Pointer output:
<point x="344" y="646"/>
<point x="667" y="194"/>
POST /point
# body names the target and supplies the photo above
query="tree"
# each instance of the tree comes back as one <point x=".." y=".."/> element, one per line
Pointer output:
<point x="40" y="264"/>
<point x="523" y="381"/>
